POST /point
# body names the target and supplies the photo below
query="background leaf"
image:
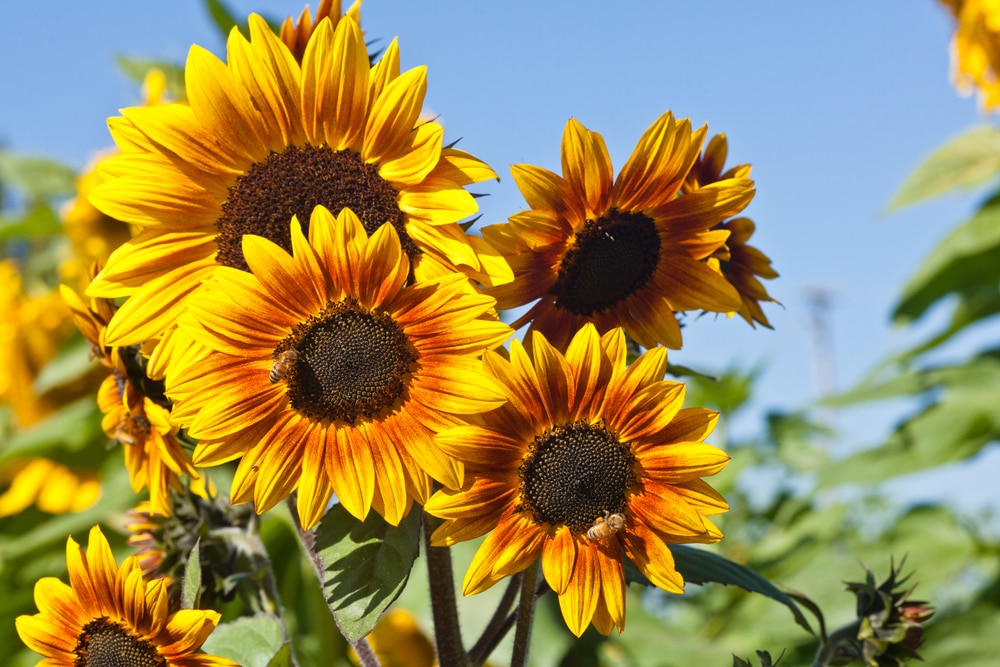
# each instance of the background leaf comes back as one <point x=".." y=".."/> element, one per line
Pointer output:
<point x="37" y="177"/>
<point x="698" y="566"/>
<point x="970" y="159"/>
<point x="137" y="69"/>
<point x="966" y="261"/>
<point x="251" y="641"/>
<point x="365" y="565"/>
<point x="191" y="587"/>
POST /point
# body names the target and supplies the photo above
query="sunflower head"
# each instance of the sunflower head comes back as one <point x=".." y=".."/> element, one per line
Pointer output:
<point x="589" y="463"/>
<point x="618" y="251"/>
<point x="111" y="615"/>
<point x="740" y="263"/>
<point x="264" y="138"/>
<point x="331" y="373"/>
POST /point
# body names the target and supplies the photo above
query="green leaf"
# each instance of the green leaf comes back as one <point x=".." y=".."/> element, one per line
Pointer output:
<point x="191" y="586"/>
<point x="283" y="658"/>
<point x="968" y="160"/>
<point x="38" y="221"/>
<point x="251" y="641"/>
<point x="957" y="426"/>
<point x="365" y="565"/>
<point x="222" y="16"/>
<point x="72" y="362"/>
<point x="698" y="566"/>
<point x="37" y="177"/>
<point x="137" y="69"/>
<point x="72" y="427"/>
<point x="966" y="261"/>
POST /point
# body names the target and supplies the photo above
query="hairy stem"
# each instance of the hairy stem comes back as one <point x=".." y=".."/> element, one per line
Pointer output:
<point x="365" y="654"/>
<point x="498" y="625"/>
<point x="447" y="633"/>
<point x="525" y="617"/>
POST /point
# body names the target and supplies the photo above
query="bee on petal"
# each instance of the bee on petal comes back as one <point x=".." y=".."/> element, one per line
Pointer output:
<point x="606" y="526"/>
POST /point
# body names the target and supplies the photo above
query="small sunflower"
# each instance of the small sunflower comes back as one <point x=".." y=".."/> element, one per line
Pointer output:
<point x="624" y="252"/>
<point x="50" y="486"/>
<point x="975" y="49"/>
<point x="265" y="138"/>
<point x="738" y="261"/>
<point x="588" y="463"/>
<point x="327" y="374"/>
<point x="134" y="407"/>
<point x="112" y="616"/>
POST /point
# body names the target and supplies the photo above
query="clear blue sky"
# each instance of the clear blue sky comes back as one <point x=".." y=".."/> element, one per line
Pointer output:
<point x="832" y="104"/>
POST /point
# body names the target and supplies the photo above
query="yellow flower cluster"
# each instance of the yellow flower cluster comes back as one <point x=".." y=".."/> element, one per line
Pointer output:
<point x="303" y="294"/>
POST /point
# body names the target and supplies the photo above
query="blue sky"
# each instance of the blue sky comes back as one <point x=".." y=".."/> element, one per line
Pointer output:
<point x="832" y="104"/>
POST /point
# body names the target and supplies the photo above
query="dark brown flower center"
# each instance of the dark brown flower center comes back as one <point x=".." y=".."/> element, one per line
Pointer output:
<point x="294" y="182"/>
<point x="575" y="473"/>
<point x="350" y="363"/>
<point x="103" y="643"/>
<point x="609" y="260"/>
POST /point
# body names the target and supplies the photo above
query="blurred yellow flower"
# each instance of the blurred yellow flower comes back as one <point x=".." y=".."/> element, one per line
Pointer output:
<point x="398" y="641"/>
<point x="975" y="49"/>
<point x="50" y="486"/>
<point x="32" y="329"/>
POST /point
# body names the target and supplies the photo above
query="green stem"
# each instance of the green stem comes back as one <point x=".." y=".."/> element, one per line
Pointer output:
<point x="525" y="617"/>
<point x="827" y="650"/>
<point x="498" y="626"/>
<point x="447" y="632"/>
<point x="366" y="656"/>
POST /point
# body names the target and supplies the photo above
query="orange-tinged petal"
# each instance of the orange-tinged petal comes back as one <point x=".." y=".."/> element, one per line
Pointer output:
<point x="480" y="495"/>
<point x="579" y="602"/>
<point x="652" y="557"/>
<point x="314" y="486"/>
<point x="682" y="462"/>
<point x="559" y="559"/>
<point x="351" y="469"/>
<point x="513" y="545"/>
<point x="587" y="167"/>
<point x="189" y="629"/>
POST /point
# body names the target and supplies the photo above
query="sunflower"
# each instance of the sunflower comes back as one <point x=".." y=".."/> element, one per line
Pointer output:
<point x="740" y="263"/>
<point x="589" y="462"/>
<point x="617" y="253"/>
<point x="112" y="616"/>
<point x="975" y="49"/>
<point x="50" y="486"/>
<point x="326" y="373"/>
<point x="265" y="138"/>
<point x="134" y="407"/>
